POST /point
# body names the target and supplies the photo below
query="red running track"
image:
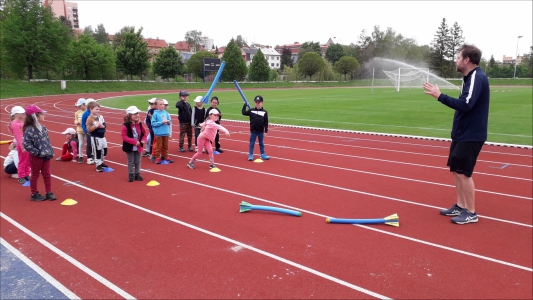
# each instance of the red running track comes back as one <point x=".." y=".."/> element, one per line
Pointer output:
<point x="186" y="239"/>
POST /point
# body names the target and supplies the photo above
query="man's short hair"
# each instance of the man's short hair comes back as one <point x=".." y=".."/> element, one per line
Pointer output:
<point x="472" y="52"/>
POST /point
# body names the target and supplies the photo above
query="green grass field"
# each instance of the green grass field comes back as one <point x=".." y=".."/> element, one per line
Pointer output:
<point x="384" y="110"/>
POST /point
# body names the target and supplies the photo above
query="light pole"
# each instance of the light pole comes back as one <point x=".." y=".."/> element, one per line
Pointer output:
<point x="516" y="61"/>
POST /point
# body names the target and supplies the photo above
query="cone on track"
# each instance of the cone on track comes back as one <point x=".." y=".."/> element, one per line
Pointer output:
<point x="152" y="183"/>
<point x="258" y="160"/>
<point x="216" y="152"/>
<point x="215" y="170"/>
<point x="108" y="170"/>
<point x="27" y="183"/>
<point x="69" y="202"/>
<point x="164" y="162"/>
<point x="4" y="142"/>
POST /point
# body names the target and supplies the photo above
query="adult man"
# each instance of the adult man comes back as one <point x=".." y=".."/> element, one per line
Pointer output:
<point x="184" y="116"/>
<point x="469" y="131"/>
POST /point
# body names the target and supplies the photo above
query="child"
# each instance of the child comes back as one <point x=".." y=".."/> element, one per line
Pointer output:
<point x="161" y="125"/>
<point x="11" y="161"/>
<point x="258" y="126"/>
<point x="18" y="116"/>
<point x="96" y="128"/>
<point x="198" y="117"/>
<point x="209" y="130"/>
<point x="80" y="104"/>
<point x="70" y="147"/>
<point x="37" y="143"/>
<point x="89" y="148"/>
<point x="148" y="121"/>
<point x="133" y="135"/>
<point x="184" y="116"/>
<point x="214" y="105"/>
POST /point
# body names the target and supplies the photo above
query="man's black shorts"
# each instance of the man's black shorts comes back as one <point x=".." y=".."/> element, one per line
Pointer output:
<point x="463" y="157"/>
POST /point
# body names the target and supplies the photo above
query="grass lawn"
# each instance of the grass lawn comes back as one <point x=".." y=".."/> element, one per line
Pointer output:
<point x="383" y="110"/>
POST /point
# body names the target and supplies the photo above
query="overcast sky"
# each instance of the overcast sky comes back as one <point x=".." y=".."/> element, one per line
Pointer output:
<point x="493" y="26"/>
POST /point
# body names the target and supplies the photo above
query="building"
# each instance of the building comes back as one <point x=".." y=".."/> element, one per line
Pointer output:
<point x="293" y="47"/>
<point x="207" y="43"/>
<point x="509" y="61"/>
<point x="69" y="10"/>
<point x="182" y="46"/>
<point x="154" y="47"/>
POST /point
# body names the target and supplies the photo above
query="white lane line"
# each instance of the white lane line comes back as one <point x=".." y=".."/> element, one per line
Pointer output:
<point x="63" y="289"/>
<point x="69" y="258"/>
<point x="232" y="241"/>
<point x="290" y="207"/>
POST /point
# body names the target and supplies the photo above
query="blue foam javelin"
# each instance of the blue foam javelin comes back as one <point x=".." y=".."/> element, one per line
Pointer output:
<point x="217" y="77"/>
<point x="242" y="95"/>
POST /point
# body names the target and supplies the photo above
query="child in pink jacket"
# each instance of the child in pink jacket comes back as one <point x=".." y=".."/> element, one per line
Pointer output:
<point x="133" y="138"/>
<point x="208" y="134"/>
<point x="18" y="115"/>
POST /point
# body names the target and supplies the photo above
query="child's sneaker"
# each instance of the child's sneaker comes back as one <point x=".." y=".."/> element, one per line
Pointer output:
<point x="158" y="161"/>
<point x="14" y="175"/>
<point x="250" y="157"/>
<point x="23" y="180"/>
<point x="80" y="160"/>
<point x="131" y="177"/>
<point x="37" y="197"/>
<point x="90" y="161"/>
<point x="145" y="154"/>
<point x="138" y="177"/>
<point x="190" y="149"/>
<point x="50" y="196"/>
<point x="264" y="157"/>
<point x="104" y="165"/>
<point x="465" y="217"/>
<point x="152" y="158"/>
<point x="212" y="166"/>
<point x="169" y="160"/>
<point x="99" y="168"/>
<point x="182" y="150"/>
<point x="455" y="210"/>
<point x="191" y="165"/>
<point x="58" y="158"/>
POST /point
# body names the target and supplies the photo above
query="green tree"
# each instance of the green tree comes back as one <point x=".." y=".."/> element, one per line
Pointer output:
<point x="346" y="64"/>
<point x="168" y="63"/>
<point x="89" y="30"/>
<point x="119" y="36"/>
<point x="32" y="37"/>
<point x="334" y="53"/>
<point x="90" y="58"/>
<point x="259" y="69"/>
<point x="132" y="54"/>
<point x="351" y="50"/>
<point x="195" y="63"/>
<point x="310" y="64"/>
<point x="286" y="58"/>
<point x="193" y="39"/>
<point x="100" y="35"/>
<point x="309" y="47"/>
<point x="492" y="62"/>
<point x="240" y="42"/>
<point x="440" y="49"/>
<point x="235" y="68"/>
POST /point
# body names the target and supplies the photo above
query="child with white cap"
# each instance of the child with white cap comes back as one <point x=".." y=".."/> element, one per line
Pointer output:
<point x="80" y="104"/>
<point x="208" y="133"/>
<point x="70" y="147"/>
<point x="89" y="148"/>
<point x="11" y="161"/>
<point x="37" y="143"/>
<point x="96" y="127"/>
<point x="18" y="115"/>
<point x="197" y="118"/>
<point x="133" y="137"/>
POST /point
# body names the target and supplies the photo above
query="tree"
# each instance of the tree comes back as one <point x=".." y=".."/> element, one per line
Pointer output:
<point x="240" y="42"/>
<point x="235" y="68"/>
<point x="334" y="53"/>
<point x="132" y="54"/>
<point x="346" y="64"/>
<point x="492" y="62"/>
<point x="286" y="58"/>
<point x="195" y="63"/>
<point x="168" y="63"/>
<point x="32" y="37"/>
<point x="350" y="50"/>
<point x="90" y="58"/>
<point x="309" y="47"/>
<point x="89" y="30"/>
<point x="310" y="63"/>
<point x="440" y="49"/>
<point x="100" y="35"/>
<point x="193" y="39"/>
<point x="119" y="36"/>
<point x="259" y="69"/>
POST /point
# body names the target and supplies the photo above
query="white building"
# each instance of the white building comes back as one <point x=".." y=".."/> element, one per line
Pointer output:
<point x="272" y="56"/>
<point x="207" y="43"/>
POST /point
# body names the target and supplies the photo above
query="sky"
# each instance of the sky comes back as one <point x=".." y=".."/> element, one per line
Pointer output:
<point x="493" y="26"/>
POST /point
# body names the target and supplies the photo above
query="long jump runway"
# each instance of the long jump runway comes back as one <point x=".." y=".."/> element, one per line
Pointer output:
<point x="185" y="238"/>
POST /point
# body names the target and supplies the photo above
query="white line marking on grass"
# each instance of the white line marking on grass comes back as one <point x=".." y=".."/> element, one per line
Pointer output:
<point x="229" y="240"/>
<point x="63" y="289"/>
<point x="69" y="258"/>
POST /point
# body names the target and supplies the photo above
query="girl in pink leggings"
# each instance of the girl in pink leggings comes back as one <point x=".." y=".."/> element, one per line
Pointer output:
<point x="18" y="115"/>
<point x="209" y="131"/>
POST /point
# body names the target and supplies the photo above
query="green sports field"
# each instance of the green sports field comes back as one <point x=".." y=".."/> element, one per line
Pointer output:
<point x="383" y="110"/>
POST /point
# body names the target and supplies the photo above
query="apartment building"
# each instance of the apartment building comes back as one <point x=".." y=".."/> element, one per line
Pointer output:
<point x="69" y="10"/>
<point x="509" y="61"/>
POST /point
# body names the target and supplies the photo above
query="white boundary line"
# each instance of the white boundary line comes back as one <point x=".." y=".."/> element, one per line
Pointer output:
<point x="63" y="289"/>
<point x="69" y="258"/>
